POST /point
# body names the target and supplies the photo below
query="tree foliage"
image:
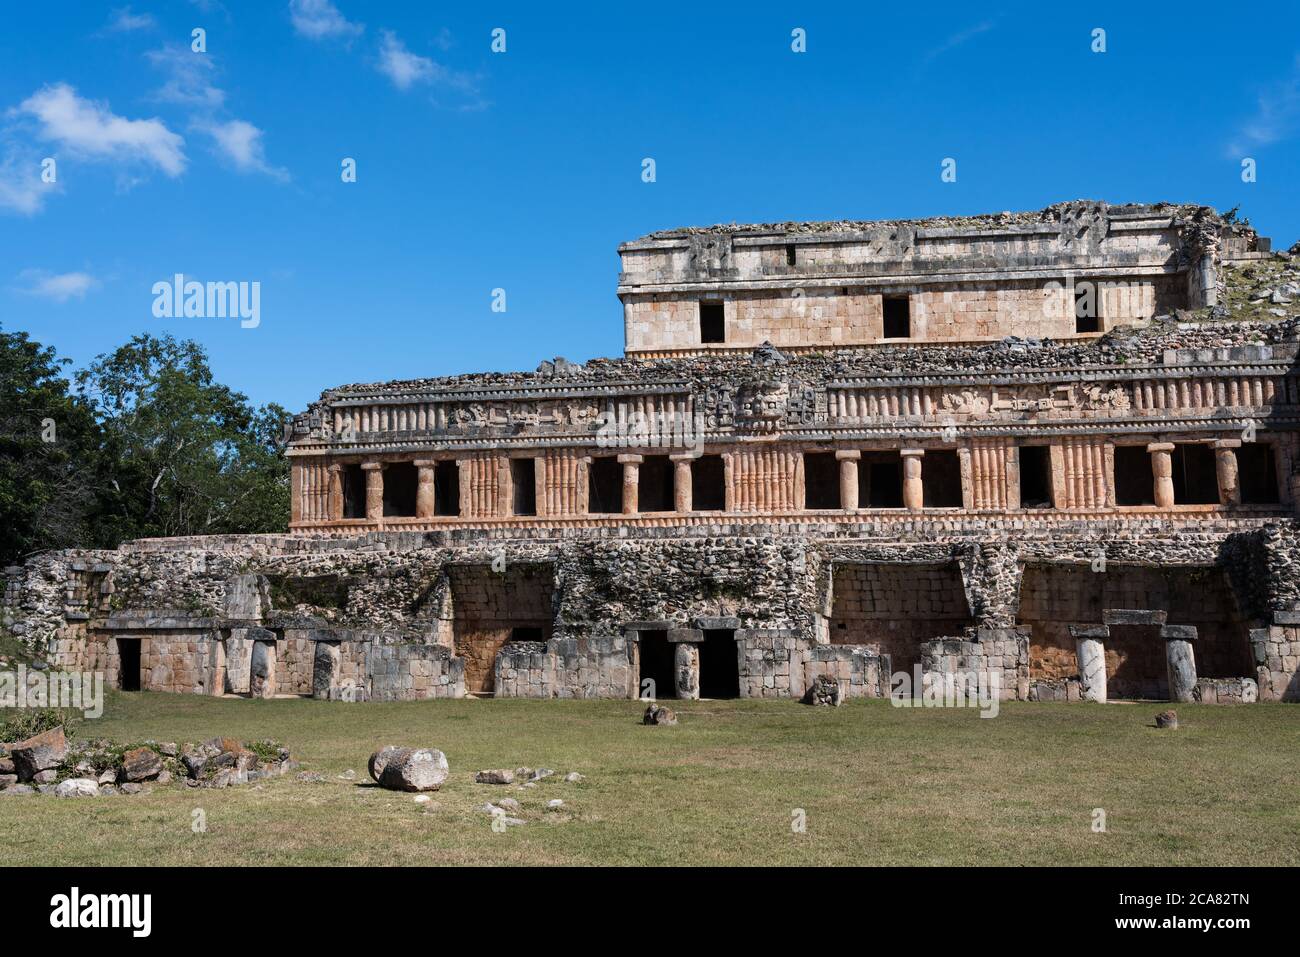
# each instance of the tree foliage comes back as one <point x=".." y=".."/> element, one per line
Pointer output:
<point x="148" y="444"/>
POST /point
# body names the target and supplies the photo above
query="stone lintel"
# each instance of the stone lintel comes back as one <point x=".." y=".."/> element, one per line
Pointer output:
<point x="371" y="466"/>
<point x="1286" y="617"/>
<point x="630" y="459"/>
<point x="649" y="626"/>
<point x="685" y="635"/>
<point x="716" y="624"/>
<point x="1160" y="447"/>
<point x="1226" y="443"/>
<point x="1178" y="632"/>
<point x="917" y="452"/>
<point x="424" y="463"/>
<point x="1090" y="631"/>
<point x="843" y="454"/>
<point x="684" y="456"/>
<point x="1133" y="616"/>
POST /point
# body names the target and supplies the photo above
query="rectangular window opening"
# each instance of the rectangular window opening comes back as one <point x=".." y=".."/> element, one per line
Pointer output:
<point x="655" y="484"/>
<point x="400" y="482"/>
<point x="1257" y="473"/>
<point x="1035" y="476"/>
<point x="713" y="325"/>
<point x="1196" y="478"/>
<point x="898" y="317"/>
<point x="354" y="492"/>
<point x="1135" y="483"/>
<point x="941" y="479"/>
<point x="880" y="480"/>
<point x="446" y="488"/>
<point x="1087" y="307"/>
<point x="523" y="486"/>
<point x="708" y="481"/>
<point x="605" y="486"/>
<point x="821" y="480"/>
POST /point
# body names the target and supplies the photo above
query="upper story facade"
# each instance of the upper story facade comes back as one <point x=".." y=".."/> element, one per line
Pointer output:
<point x="1145" y="398"/>
<point x="1071" y="270"/>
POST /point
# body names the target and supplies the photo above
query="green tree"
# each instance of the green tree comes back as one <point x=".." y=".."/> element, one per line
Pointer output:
<point x="183" y="454"/>
<point x="49" y="452"/>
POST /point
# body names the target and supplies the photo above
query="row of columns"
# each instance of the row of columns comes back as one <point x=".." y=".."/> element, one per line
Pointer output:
<point x="849" y="459"/>
<point x="1180" y="660"/>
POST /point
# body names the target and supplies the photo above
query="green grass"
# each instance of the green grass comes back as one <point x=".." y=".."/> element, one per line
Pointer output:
<point x="879" y="785"/>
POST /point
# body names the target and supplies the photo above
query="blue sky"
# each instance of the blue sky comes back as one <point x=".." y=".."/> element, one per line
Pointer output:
<point x="522" y="170"/>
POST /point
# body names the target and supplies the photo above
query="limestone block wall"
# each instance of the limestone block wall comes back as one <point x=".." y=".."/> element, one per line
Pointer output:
<point x="1276" y="652"/>
<point x="596" y="667"/>
<point x="408" y="672"/>
<point x="860" y="671"/>
<point x="1004" y="651"/>
<point x="892" y="608"/>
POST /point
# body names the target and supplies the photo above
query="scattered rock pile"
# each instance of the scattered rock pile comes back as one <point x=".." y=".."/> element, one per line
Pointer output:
<point x="658" y="714"/>
<point x="824" y="690"/>
<point x="48" y="763"/>
<point x="1167" y="719"/>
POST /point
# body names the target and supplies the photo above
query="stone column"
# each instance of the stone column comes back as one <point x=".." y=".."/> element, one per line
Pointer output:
<point x="374" y="490"/>
<point x="1182" y="660"/>
<point x="913" y="493"/>
<point x="631" y="483"/>
<point x="1090" y="650"/>
<point x="686" y="670"/>
<point x="336" y="492"/>
<point x="848" y="478"/>
<point x="682" y="481"/>
<point x="425" y="492"/>
<point x="1225" y="460"/>
<point x="1162" y="468"/>
<point x="295" y="492"/>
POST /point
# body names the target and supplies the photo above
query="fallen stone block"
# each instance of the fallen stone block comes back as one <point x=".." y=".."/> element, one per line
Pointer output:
<point x="39" y="753"/>
<point x="495" y="776"/>
<point x="414" y="769"/>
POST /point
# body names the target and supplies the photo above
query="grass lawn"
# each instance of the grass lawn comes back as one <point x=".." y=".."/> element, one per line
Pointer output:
<point x="879" y="785"/>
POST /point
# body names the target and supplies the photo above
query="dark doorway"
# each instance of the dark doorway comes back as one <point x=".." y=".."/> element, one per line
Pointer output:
<point x="941" y="479"/>
<point x="1035" y="476"/>
<point x="527" y="634"/>
<point x="708" y="484"/>
<point x="880" y="480"/>
<point x="1196" y="480"/>
<point x="446" y="488"/>
<point x="354" y="492"/>
<point x="657" y="666"/>
<point x="523" y="486"/>
<point x="821" y="480"/>
<point x="655" y="484"/>
<point x="1134" y="482"/>
<point x="719" y="665"/>
<point x="400" y="481"/>
<point x="1087" y="307"/>
<point x="605" y="486"/>
<point x="1136" y="663"/>
<point x="1257" y="473"/>
<point x="713" y="326"/>
<point x="128" y="663"/>
<point x="898" y="317"/>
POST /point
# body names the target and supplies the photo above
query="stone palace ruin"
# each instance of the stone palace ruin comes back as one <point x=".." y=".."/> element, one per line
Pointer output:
<point x="1060" y="446"/>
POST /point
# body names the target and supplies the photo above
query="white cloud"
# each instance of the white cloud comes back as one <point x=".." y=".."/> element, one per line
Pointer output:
<point x="124" y="21"/>
<point x="189" y="81"/>
<point x="320" y="20"/>
<point x="241" y="143"/>
<point x="21" y="187"/>
<point x="402" y="66"/>
<point x="59" y="287"/>
<point x="1276" y="117"/>
<point x="90" y="129"/>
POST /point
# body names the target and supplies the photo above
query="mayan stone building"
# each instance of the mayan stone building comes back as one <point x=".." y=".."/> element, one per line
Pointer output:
<point x="1058" y="446"/>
